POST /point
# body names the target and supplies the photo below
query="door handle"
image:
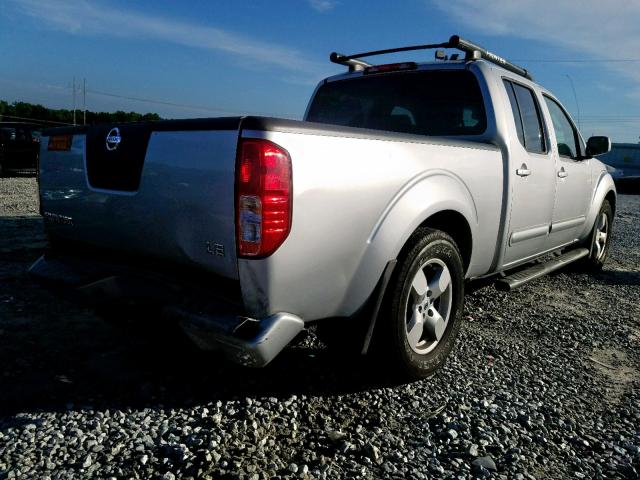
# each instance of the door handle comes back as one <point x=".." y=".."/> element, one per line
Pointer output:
<point x="562" y="173"/>
<point x="523" y="171"/>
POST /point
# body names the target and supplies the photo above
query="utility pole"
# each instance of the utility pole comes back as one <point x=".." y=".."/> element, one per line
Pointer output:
<point x="74" y="100"/>
<point x="84" y="101"/>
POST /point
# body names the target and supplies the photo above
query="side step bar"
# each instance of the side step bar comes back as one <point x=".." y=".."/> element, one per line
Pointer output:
<point x="515" y="280"/>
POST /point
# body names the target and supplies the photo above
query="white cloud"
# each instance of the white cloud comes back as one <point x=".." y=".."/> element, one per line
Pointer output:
<point x="80" y="17"/>
<point x="322" y="5"/>
<point x="591" y="28"/>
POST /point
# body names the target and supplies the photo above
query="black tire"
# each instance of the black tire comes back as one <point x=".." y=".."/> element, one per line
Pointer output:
<point x="391" y="336"/>
<point x="597" y="257"/>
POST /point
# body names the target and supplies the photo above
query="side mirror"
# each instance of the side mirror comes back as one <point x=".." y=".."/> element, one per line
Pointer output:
<point x="598" y="146"/>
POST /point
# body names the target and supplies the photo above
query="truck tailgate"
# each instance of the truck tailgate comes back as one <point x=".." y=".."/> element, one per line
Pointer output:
<point x="162" y="190"/>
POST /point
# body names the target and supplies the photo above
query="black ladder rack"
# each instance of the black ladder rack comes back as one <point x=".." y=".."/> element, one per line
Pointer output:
<point x="472" y="52"/>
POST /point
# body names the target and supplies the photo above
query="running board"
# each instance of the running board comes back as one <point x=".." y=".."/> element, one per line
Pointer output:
<point x="515" y="280"/>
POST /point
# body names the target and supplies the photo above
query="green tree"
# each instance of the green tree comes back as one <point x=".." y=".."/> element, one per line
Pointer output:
<point x="24" y="111"/>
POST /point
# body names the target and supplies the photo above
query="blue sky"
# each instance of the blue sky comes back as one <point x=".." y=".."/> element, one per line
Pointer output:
<point x="213" y="58"/>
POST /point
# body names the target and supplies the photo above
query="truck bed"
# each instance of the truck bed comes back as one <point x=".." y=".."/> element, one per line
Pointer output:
<point x="166" y="192"/>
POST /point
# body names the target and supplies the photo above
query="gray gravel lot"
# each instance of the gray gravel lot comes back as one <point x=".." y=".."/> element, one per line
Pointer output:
<point x="544" y="383"/>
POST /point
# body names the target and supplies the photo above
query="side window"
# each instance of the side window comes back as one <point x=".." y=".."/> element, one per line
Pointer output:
<point x="565" y="132"/>
<point x="531" y="121"/>
<point x="526" y="114"/>
<point x="514" y="110"/>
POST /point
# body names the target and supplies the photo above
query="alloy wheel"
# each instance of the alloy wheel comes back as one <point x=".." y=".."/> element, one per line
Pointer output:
<point x="428" y="306"/>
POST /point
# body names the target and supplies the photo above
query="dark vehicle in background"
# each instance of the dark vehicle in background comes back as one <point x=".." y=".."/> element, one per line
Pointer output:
<point x="19" y="147"/>
<point x="624" y="159"/>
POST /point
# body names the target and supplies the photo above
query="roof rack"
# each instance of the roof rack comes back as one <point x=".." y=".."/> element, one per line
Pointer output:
<point x="472" y="52"/>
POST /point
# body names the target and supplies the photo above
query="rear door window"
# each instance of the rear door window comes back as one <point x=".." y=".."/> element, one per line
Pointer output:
<point x="515" y="111"/>
<point x="532" y="135"/>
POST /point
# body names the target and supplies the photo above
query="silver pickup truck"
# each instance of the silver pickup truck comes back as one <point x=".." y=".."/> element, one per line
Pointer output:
<point x="403" y="182"/>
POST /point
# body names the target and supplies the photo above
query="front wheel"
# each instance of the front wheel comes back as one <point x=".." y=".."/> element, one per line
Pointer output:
<point x="600" y="239"/>
<point x="423" y="307"/>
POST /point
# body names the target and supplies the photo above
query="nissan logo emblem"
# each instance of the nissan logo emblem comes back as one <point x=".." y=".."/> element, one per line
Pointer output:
<point x="113" y="139"/>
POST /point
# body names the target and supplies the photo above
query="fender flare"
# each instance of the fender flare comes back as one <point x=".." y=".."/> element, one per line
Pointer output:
<point x="420" y="198"/>
<point x="604" y="186"/>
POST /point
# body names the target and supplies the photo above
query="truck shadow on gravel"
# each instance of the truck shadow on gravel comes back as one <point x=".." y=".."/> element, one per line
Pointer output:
<point x="20" y="235"/>
<point x="57" y="354"/>
<point x="85" y="364"/>
<point x="618" y="277"/>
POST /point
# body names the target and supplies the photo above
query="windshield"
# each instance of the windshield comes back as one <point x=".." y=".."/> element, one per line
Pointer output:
<point x="435" y="102"/>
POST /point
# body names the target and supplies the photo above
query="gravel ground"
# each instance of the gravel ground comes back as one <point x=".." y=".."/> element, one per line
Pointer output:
<point x="544" y="383"/>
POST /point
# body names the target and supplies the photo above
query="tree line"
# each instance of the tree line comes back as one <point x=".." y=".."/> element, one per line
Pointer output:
<point x="35" y="113"/>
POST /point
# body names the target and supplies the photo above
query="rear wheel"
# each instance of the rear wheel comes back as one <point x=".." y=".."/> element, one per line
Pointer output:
<point x="423" y="306"/>
<point x="600" y="239"/>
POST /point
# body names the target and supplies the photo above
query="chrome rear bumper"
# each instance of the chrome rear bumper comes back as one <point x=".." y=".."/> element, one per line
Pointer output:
<point x="247" y="341"/>
<point x="211" y="323"/>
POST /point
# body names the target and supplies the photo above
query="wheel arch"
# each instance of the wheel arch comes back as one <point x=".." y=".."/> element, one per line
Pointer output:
<point x="611" y="197"/>
<point x="605" y="190"/>
<point x="454" y="224"/>
<point x="436" y="199"/>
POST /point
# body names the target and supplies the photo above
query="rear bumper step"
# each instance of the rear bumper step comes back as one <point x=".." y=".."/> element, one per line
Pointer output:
<point x="515" y="280"/>
<point x="247" y="341"/>
<point x="212" y="325"/>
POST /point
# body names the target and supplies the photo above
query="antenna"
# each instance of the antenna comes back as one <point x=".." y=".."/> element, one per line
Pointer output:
<point x="84" y="101"/>
<point x="575" y="97"/>
<point x="74" y="100"/>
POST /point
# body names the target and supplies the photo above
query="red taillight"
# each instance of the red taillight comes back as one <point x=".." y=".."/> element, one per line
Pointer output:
<point x="263" y="197"/>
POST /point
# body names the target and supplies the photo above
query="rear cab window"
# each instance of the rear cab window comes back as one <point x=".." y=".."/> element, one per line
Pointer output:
<point x="426" y="102"/>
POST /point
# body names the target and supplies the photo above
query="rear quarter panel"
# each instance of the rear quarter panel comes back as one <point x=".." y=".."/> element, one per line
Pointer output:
<point x="356" y="202"/>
